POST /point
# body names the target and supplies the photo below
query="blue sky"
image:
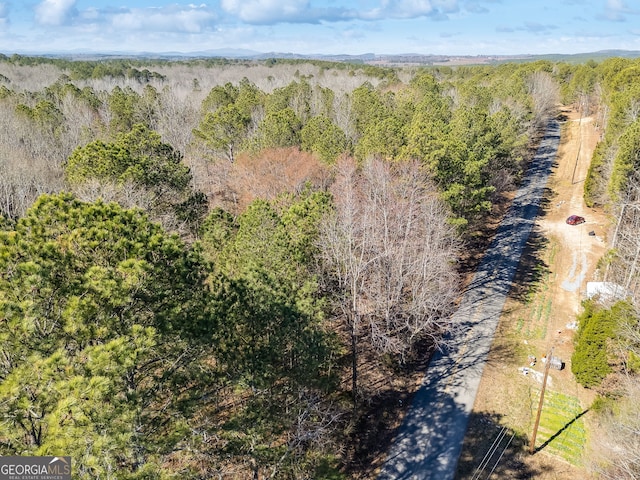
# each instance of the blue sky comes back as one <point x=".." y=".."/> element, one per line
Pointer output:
<point x="449" y="27"/>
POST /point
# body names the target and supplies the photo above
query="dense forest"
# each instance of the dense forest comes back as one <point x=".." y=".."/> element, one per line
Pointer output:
<point x="217" y="269"/>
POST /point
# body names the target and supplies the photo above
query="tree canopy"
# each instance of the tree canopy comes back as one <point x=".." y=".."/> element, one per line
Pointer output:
<point x="104" y="323"/>
<point x="139" y="161"/>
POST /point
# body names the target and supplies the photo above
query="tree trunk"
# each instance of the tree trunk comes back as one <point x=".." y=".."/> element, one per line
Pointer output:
<point x="354" y="364"/>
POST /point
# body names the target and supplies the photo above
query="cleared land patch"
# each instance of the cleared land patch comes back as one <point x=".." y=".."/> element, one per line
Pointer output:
<point x="562" y="430"/>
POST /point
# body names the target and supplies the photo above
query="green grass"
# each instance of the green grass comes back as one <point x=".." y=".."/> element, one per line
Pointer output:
<point x="562" y="431"/>
<point x="536" y="320"/>
<point x="553" y="250"/>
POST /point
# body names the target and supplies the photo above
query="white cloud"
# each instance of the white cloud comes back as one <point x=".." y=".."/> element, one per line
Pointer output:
<point x="616" y="5"/>
<point x="617" y="10"/>
<point x="54" y="12"/>
<point x="90" y="15"/>
<point x="4" y="14"/>
<point x="405" y="9"/>
<point x="475" y="7"/>
<point x="537" y="28"/>
<point x="174" y="18"/>
<point x="266" y="11"/>
<point x="409" y="8"/>
<point x="270" y="12"/>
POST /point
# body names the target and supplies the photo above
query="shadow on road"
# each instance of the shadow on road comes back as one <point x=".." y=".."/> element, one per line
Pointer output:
<point x="414" y="449"/>
<point x="373" y="432"/>
<point x="382" y="406"/>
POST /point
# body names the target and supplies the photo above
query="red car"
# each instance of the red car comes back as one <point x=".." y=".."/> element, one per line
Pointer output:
<point x="575" y="220"/>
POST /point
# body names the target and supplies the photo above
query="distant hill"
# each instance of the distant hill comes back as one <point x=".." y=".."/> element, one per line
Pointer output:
<point x="585" y="57"/>
<point x="365" y="58"/>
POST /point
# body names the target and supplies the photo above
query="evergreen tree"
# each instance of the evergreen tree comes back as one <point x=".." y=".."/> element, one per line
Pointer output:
<point x="590" y="362"/>
<point x="324" y="138"/>
<point x="273" y="348"/>
<point x="104" y="328"/>
<point x="138" y="160"/>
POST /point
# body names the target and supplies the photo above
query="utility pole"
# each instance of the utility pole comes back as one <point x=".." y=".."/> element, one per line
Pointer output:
<point x="532" y="445"/>
<point x="575" y="167"/>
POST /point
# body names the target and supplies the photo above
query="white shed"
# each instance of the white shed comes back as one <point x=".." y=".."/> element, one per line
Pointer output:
<point x="606" y="291"/>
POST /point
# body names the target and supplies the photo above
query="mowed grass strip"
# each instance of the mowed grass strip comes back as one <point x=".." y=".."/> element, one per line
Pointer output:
<point x="562" y="431"/>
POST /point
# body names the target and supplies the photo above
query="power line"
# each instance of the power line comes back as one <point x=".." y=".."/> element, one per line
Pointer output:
<point x="493" y="449"/>
<point x="489" y="454"/>
<point x="575" y="167"/>
<point x="500" y="457"/>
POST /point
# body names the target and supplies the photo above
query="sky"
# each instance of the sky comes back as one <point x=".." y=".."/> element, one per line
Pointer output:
<point x="439" y="27"/>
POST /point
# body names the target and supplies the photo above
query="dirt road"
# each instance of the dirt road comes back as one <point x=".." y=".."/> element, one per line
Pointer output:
<point x="545" y="299"/>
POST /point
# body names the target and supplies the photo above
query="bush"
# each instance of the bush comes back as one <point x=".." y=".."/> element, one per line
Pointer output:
<point x="590" y="360"/>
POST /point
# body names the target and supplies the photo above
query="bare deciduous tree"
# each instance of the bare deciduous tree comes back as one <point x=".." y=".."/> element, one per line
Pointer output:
<point x="625" y="266"/>
<point x="273" y="172"/>
<point x="390" y="252"/>
<point x="545" y="93"/>
<point x="616" y="450"/>
<point x="177" y="117"/>
<point x="23" y="175"/>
